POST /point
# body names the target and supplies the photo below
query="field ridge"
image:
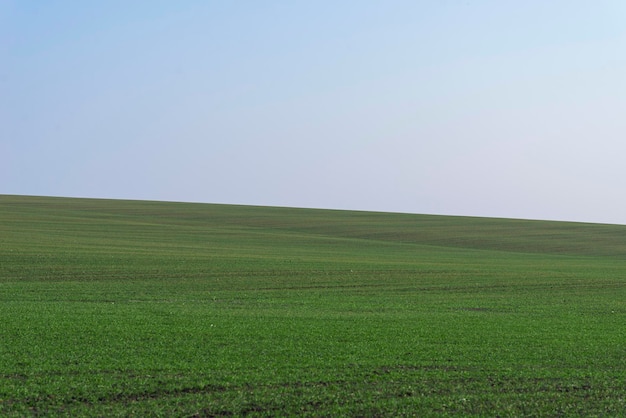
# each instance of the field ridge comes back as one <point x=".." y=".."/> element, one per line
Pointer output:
<point x="512" y="235"/>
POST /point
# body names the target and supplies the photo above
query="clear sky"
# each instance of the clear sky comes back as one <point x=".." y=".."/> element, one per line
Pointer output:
<point x="467" y="107"/>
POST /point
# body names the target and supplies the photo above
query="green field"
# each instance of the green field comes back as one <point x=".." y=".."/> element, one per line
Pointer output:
<point x="134" y="308"/>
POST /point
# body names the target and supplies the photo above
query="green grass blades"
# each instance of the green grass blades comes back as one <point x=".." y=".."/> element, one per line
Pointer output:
<point x="127" y="308"/>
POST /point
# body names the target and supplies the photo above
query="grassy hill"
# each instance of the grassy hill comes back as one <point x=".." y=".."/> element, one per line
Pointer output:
<point x="132" y="307"/>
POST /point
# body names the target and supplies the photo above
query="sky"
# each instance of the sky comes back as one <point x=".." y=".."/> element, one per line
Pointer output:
<point x="513" y="109"/>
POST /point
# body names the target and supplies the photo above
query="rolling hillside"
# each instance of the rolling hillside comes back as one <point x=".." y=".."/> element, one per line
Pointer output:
<point x="114" y="307"/>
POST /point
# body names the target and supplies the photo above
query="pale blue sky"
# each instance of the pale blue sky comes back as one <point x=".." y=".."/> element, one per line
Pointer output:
<point x="482" y="108"/>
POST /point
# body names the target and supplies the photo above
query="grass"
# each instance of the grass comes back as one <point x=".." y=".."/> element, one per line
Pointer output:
<point x="131" y="308"/>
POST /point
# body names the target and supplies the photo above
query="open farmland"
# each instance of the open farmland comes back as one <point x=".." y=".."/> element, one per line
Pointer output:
<point x="113" y="308"/>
